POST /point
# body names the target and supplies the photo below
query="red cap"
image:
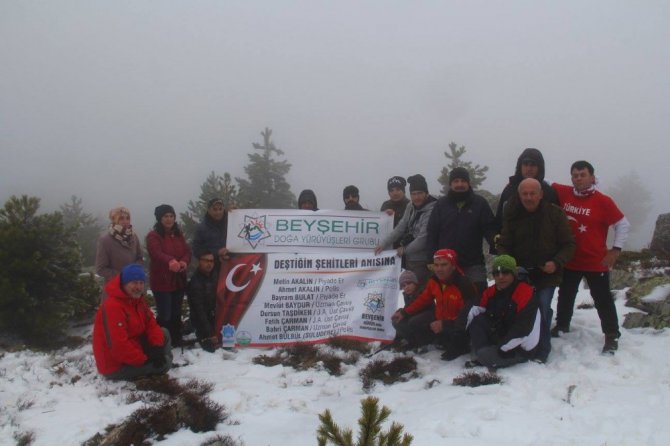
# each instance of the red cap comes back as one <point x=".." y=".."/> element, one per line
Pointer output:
<point x="448" y="254"/>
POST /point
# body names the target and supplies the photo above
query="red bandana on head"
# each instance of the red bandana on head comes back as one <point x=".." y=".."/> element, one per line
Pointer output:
<point x="450" y="255"/>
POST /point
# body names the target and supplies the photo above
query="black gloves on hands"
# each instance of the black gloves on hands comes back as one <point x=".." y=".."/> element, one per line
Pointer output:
<point x="209" y="344"/>
<point x="156" y="356"/>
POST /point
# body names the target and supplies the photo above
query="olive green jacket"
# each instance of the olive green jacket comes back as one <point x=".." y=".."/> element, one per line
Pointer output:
<point x="536" y="238"/>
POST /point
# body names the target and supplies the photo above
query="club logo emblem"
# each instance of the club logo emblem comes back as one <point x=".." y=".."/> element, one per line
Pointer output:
<point x="254" y="230"/>
<point x="374" y="302"/>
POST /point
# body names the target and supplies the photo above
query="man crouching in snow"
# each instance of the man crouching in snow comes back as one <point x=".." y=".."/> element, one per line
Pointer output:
<point x="127" y="341"/>
<point x="439" y="313"/>
<point x="505" y="327"/>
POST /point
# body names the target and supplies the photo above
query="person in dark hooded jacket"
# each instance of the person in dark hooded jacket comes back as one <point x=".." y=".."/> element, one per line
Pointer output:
<point x="307" y="200"/>
<point x="530" y="164"/>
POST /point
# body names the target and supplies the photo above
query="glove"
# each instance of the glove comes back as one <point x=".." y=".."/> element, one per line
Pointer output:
<point x="474" y="312"/>
<point x="156" y="356"/>
<point x="208" y="345"/>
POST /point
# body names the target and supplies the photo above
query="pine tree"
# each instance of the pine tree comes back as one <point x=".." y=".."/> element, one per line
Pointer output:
<point x="370" y="424"/>
<point x="477" y="172"/>
<point x="40" y="284"/>
<point x="266" y="186"/>
<point x="86" y="226"/>
<point x="215" y="186"/>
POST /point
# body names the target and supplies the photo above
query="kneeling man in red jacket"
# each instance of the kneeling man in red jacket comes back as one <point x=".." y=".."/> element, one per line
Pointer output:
<point x="440" y="312"/>
<point x="127" y="341"/>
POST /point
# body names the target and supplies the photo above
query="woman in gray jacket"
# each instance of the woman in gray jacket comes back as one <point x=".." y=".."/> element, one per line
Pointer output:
<point x="411" y="231"/>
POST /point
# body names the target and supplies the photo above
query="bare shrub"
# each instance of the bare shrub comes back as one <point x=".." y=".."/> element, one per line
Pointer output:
<point x="388" y="372"/>
<point x="474" y="379"/>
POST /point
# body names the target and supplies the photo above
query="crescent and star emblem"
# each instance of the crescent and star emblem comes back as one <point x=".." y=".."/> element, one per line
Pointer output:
<point x="229" y="278"/>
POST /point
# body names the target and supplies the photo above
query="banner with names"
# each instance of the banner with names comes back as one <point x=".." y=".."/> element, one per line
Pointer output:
<point x="279" y="299"/>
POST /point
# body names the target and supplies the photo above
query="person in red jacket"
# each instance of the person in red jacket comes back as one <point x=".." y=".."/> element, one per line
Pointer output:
<point x="505" y="327"/>
<point x="170" y="256"/>
<point x="440" y="312"/>
<point x="127" y="341"/>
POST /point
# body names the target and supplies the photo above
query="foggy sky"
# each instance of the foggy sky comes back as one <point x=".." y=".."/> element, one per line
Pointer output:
<point x="135" y="102"/>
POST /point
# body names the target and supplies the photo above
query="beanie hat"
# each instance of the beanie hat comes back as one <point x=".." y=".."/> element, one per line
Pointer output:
<point x="131" y="273"/>
<point x="459" y="173"/>
<point x="115" y="213"/>
<point x="162" y="210"/>
<point x="214" y="201"/>
<point x="396" y="181"/>
<point x="417" y="183"/>
<point x="406" y="277"/>
<point x="448" y="254"/>
<point x="505" y="264"/>
<point x="350" y="190"/>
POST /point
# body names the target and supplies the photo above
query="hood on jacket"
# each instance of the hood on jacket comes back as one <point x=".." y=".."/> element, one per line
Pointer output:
<point x="534" y="155"/>
<point x="305" y="195"/>
<point x="114" y="290"/>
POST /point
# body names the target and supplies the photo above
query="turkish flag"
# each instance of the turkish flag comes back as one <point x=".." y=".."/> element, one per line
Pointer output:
<point x="239" y="280"/>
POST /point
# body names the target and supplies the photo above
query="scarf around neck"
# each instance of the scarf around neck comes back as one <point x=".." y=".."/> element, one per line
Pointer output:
<point x="122" y="234"/>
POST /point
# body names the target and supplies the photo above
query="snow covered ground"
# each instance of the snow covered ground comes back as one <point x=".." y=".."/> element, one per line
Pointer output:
<point x="616" y="400"/>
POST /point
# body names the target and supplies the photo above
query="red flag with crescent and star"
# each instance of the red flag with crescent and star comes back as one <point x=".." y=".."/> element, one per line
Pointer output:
<point x="239" y="280"/>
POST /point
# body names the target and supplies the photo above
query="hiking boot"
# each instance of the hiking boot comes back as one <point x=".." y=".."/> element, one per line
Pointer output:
<point x="611" y="344"/>
<point x="472" y="364"/>
<point x="557" y="330"/>
<point x="452" y="352"/>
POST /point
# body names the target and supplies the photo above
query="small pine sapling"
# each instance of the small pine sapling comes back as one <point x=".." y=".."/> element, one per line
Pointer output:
<point x="370" y="424"/>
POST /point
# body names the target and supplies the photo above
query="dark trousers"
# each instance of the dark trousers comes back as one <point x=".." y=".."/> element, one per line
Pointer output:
<point x="484" y="341"/>
<point x="599" y="285"/>
<point x="416" y="330"/>
<point x="168" y="307"/>
<point x="127" y="372"/>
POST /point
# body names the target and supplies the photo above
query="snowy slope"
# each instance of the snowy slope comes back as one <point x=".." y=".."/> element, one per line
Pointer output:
<point x="619" y="400"/>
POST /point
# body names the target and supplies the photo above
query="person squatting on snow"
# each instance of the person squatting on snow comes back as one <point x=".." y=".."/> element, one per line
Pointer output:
<point x="170" y="256"/>
<point x="118" y="246"/>
<point x="439" y="313"/>
<point x="409" y="285"/>
<point x="590" y="213"/>
<point x="505" y="327"/>
<point x="201" y="293"/>
<point x="537" y="234"/>
<point x="397" y="201"/>
<point x="411" y="231"/>
<point x="127" y="341"/>
<point x="459" y="221"/>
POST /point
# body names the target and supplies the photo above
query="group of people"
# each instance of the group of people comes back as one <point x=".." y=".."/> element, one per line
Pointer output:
<point x="543" y="236"/>
<point x="127" y="338"/>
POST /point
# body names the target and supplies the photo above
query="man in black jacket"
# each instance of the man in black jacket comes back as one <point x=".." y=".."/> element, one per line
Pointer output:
<point x="201" y="292"/>
<point x="460" y="221"/>
<point x="210" y="234"/>
<point x="505" y="327"/>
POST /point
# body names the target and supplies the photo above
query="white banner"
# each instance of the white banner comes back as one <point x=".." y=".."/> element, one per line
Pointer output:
<point x="292" y="230"/>
<point x="279" y="299"/>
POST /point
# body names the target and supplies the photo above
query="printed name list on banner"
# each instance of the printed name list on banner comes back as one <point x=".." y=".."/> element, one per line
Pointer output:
<point x="277" y="299"/>
<point x="289" y="230"/>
